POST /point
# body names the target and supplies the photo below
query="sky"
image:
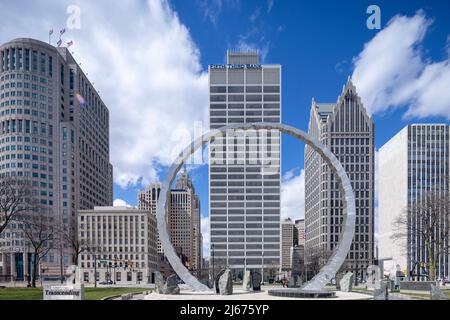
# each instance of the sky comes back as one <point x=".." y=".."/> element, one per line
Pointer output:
<point x="149" y="60"/>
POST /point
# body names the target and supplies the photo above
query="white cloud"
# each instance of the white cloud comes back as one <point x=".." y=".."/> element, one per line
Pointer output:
<point x="205" y="229"/>
<point x="392" y="72"/>
<point x="255" y="15"/>
<point x="293" y="195"/>
<point x="145" y="65"/>
<point x="121" y="203"/>
<point x="213" y="8"/>
<point x="270" y="4"/>
<point x="262" y="47"/>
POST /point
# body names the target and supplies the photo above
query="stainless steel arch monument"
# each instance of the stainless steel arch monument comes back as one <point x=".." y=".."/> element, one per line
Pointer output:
<point x="340" y="252"/>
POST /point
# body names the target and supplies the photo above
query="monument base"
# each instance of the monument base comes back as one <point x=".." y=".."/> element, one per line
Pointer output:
<point x="299" y="293"/>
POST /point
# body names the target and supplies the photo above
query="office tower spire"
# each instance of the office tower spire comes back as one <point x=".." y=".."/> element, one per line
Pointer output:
<point x="345" y="128"/>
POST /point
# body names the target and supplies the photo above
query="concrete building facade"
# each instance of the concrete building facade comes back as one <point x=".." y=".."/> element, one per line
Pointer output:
<point x="55" y="134"/>
<point x="301" y="237"/>
<point x="121" y="241"/>
<point x="244" y="192"/>
<point x="413" y="163"/>
<point x="289" y="238"/>
<point x="148" y="201"/>
<point x="345" y="128"/>
<point x="183" y="220"/>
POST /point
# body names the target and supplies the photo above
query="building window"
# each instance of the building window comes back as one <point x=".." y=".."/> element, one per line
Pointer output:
<point x="118" y="276"/>
<point x="129" y="276"/>
<point x="35" y="61"/>
<point x="139" y="276"/>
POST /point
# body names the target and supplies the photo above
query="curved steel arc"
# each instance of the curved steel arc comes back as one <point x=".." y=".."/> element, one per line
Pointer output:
<point x="341" y="250"/>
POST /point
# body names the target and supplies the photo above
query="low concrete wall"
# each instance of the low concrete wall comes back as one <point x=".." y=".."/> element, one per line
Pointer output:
<point x="416" y="285"/>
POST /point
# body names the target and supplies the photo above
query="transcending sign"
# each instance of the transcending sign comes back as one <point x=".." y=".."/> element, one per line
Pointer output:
<point x="74" y="292"/>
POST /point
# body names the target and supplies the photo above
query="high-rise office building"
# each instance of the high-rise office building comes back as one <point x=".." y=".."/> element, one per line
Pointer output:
<point x="183" y="219"/>
<point x="414" y="163"/>
<point x="289" y="236"/>
<point x="300" y="225"/>
<point x="244" y="183"/>
<point x="348" y="131"/>
<point x="148" y="201"/>
<point x="55" y="134"/>
<point x="183" y="211"/>
<point x="197" y="246"/>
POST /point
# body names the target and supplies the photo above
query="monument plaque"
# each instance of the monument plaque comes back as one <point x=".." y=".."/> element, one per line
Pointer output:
<point x="73" y="292"/>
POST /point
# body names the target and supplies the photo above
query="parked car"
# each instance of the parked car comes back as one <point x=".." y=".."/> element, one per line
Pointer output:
<point x="107" y="282"/>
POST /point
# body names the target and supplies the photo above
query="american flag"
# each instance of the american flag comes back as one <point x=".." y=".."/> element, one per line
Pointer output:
<point x="62" y="31"/>
<point x="59" y="42"/>
<point x="69" y="44"/>
<point x="82" y="101"/>
<point x="50" y="32"/>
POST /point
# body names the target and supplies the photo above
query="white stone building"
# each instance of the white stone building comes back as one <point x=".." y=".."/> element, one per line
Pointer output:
<point x="122" y="241"/>
<point x="415" y="161"/>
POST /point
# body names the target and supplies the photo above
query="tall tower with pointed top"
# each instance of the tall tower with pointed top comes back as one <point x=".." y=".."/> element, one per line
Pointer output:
<point x="347" y="129"/>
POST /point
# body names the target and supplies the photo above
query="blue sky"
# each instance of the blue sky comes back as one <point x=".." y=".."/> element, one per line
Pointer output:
<point x="149" y="59"/>
<point x="316" y="42"/>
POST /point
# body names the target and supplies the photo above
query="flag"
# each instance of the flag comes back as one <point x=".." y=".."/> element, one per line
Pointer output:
<point x="69" y="44"/>
<point x="50" y="32"/>
<point x="82" y="101"/>
<point x="59" y="42"/>
<point x="63" y="30"/>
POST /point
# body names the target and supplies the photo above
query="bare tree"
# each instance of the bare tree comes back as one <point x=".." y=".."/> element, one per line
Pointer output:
<point x="41" y="235"/>
<point x="427" y="223"/>
<point x="315" y="259"/>
<point x="76" y="245"/>
<point x="15" y="198"/>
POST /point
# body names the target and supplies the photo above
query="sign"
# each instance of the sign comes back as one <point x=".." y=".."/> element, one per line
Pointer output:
<point x="74" y="292"/>
<point x="235" y="66"/>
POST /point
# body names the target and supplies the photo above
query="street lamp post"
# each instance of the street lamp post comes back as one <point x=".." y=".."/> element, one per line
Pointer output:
<point x="115" y="266"/>
<point x="95" y="271"/>
<point x="213" y="270"/>
<point x="262" y="268"/>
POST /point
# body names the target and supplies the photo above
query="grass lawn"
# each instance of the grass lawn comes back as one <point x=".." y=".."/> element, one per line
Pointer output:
<point x="89" y="293"/>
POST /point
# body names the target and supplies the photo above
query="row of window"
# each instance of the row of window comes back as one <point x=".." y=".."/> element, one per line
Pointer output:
<point x="242" y="89"/>
<point x="25" y="59"/>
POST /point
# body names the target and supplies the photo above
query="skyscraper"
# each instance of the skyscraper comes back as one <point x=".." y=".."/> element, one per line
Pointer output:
<point x="413" y="163"/>
<point x="54" y="133"/>
<point x="183" y="219"/>
<point x="300" y="225"/>
<point x="348" y="131"/>
<point x="289" y="237"/>
<point x="148" y="201"/>
<point x="244" y="192"/>
<point x="183" y="213"/>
